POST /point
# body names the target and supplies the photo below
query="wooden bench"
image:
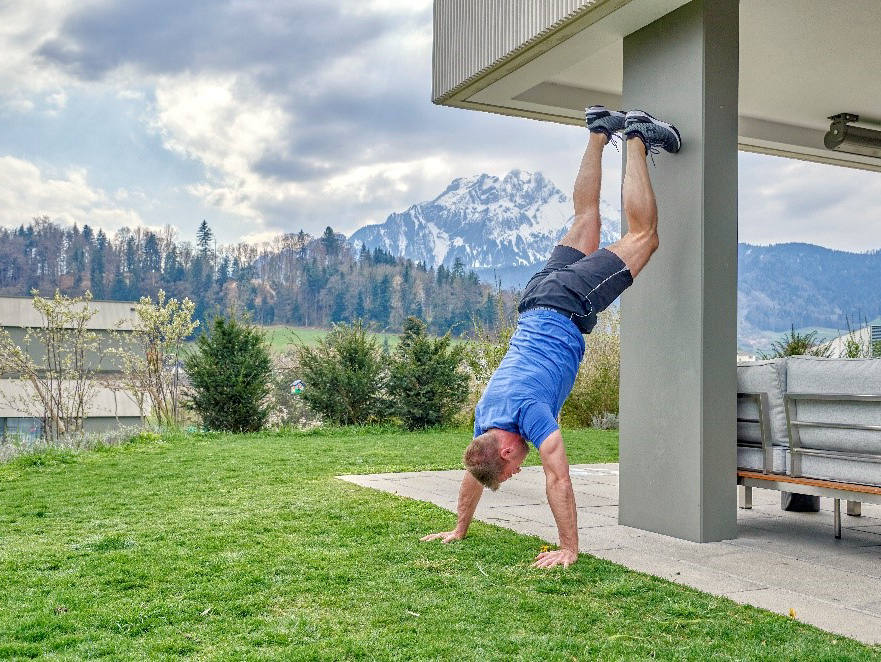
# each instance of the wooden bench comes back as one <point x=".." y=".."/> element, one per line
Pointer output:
<point x="746" y="480"/>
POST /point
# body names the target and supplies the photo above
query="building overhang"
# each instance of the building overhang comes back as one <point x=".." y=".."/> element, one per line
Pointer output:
<point x="800" y="63"/>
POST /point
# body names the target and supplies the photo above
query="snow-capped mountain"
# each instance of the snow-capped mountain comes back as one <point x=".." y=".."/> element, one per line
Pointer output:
<point x="491" y="224"/>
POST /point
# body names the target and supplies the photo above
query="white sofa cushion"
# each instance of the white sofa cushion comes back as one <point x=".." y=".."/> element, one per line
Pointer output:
<point x="754" y="459"/>
<point x="841" y="470"/>
<point x="806" y="374"/>
<point x="762" y="377"/>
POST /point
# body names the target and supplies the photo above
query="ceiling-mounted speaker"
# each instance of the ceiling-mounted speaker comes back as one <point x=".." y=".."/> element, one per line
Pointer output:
<point x="843" y="137"/>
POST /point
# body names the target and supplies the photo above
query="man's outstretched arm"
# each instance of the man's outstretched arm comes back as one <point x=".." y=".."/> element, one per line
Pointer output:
<point x="469" y="496"/>
<point x="561" y="498"/>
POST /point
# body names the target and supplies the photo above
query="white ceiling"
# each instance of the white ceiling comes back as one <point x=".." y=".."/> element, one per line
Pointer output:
<point x="800" y="61"/>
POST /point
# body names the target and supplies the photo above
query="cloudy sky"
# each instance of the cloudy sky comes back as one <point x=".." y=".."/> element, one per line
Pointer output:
<point x="265" y="117"/>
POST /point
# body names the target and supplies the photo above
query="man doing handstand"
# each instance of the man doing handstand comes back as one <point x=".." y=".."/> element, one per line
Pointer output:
<point x="560" y="303"/>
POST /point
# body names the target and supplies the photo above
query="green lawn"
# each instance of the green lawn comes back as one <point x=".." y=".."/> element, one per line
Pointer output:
<point x="248" y="548"/>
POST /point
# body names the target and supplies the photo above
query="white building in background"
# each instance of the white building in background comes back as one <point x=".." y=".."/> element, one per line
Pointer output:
<point x="868" y="338"/>
<point x="108" y="409"/>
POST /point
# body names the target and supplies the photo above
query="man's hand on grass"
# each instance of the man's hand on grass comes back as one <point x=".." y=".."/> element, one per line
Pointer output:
<point x="563" y="557"/>
<point x="443" y="536"/>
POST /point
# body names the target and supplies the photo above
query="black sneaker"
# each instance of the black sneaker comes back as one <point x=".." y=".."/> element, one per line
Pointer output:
<point x="653" y="132"/>
<point x="600" y="119"/>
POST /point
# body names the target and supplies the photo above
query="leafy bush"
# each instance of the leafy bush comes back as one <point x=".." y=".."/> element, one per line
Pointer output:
<point x="595" y="393"/>
<point x="797" y="344"/>
<point x="345" y="376"/>
<point x="484" y="352"/>
<point x="426" y="383"/>
<point x="230" y="376"/>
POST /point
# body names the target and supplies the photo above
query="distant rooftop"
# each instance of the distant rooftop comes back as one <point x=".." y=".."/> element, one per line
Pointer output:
<point x="19" y="312"/>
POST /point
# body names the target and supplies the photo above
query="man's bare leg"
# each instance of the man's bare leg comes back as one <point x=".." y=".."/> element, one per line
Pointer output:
<point x="636" y="247"/>
<point x="585" y="231"/>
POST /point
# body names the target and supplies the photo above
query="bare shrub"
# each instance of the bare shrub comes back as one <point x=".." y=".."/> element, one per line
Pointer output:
<point x="12" y="446"/>
<point x="57" y="364"/>
<point x="484" y="352"/>
<point x="595" y="393"/>
<point x="287" y="408"/>
<point x="152" y="353"/>
<point x="605" y="421"/>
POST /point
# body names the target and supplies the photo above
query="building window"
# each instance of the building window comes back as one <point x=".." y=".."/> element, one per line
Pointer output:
<point x="21" y="428"/>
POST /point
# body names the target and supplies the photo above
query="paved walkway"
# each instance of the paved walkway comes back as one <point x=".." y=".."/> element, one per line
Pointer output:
<point x="779" y="561"/>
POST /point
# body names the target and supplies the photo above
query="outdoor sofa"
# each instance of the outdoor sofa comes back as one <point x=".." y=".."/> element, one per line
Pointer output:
<point x="809" y="425"/>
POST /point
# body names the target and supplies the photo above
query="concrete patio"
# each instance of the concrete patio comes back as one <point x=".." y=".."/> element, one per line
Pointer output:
<point x="779" y="561"/>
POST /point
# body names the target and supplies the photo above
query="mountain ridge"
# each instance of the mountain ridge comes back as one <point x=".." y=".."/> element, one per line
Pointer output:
<point x="504" y="229"/>
<point x="485" y="221"/>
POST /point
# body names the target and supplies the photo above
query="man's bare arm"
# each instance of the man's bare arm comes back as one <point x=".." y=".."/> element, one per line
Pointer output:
<point x="470" y="492"/>
<point x="558" y="486"/>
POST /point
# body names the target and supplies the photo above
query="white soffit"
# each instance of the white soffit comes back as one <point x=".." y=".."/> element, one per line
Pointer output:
<point x="799" y="63"/>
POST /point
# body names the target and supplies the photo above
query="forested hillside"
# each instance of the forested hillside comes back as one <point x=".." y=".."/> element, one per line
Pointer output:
<point x="806" y="286"/>
<point x="295" y="279"/>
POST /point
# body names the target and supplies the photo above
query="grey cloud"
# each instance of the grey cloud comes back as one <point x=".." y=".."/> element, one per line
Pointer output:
<point x="286" y="48"/>
<point x="285" y="168"/>
<point x="167" y="36"/>
<point x="784" y="200"/>
<point x="339" y="121"/>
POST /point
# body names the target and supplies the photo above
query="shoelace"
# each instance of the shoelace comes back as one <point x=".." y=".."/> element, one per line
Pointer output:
<point x="615" y="140"/>
<point x="651" y="149"/>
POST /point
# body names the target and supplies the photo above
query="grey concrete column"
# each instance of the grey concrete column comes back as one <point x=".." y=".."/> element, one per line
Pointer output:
<point x="678" y="321"/>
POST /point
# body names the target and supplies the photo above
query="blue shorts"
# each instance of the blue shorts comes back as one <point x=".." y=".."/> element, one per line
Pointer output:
<point x="576" y="285"/>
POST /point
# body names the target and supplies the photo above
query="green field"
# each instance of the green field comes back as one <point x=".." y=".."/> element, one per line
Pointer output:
<point x="282" y="336"/>
<point x="248" y="548"/>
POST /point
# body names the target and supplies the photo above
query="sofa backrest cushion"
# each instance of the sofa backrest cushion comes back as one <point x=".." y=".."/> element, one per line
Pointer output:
<point x="762" y="377"/>
<point x="805" y="374"/>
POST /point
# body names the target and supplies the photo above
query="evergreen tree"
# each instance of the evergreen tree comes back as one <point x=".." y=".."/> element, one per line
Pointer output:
<point x="172" y="270"/>
<point x="119" y="289"/>
<point x="77" y="260"/>
<point x="330" y="242"/>
<point x="360" y="309"/>
<point x="302" y="246"/>
<point x="223" y="270"/>
<point x="152" y="261"/>
<point x="230" y="377"/>
<point x="458" y="268"/>
<point x="204" y="236"/>
<point x="133" y="275"/>
<point x="426" y="382"/>
<point x="381" y="301"/>
<point x="345" y="376"/>
<point x="488" y="311"/>
<point x="96" y="266"/>
<point x="338" y="313"/>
